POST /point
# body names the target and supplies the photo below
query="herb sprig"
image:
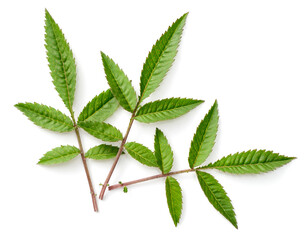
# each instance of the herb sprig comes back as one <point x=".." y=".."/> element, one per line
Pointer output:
<point x="121" y="93"/>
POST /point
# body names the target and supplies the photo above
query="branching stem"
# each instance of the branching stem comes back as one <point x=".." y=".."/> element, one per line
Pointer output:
<point x="112" y="187"/>
<point x="121" y="148"/>
<point x="85" y="166"/>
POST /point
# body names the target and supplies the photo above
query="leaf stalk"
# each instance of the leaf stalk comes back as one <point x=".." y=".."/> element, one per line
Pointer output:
<point x="115" y="186"/>
<point x="121" y="148"/>
<point x="85" y="166"/>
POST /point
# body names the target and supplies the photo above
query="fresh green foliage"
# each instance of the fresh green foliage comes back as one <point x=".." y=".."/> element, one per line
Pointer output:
<point x="204" y="138"/>
<point x="252" y="161"/>
<point x="217" y="196"/>
<point x="61" y="62"/>
<point x="160" y="58"/>
<point x="99" y="108"/>
<point x="141" y="153"/>
<point x="121" y="92"/>
<point x="102" y="151"/>
<point x="163" y="152"/>
<point x="174" y="198"/>
<point x="63" y="71"/>
<point x="121" y="86"/>
<point x="101" y="130"/>
<point x="59" y="155"/>
<point x="46" y="117"/>
<point x="166" y="109"/>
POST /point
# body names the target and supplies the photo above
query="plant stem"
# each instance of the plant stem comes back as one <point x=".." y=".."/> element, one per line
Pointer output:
<point x="150" y="178"/>
<point x="85" y="166"/>
<point x="121" y="148"/>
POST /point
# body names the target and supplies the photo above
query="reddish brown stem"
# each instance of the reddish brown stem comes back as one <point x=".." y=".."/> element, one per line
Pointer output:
<point x="86" y="168"/>
<point x="150" y="178"/>
<point x="121" y="148"/>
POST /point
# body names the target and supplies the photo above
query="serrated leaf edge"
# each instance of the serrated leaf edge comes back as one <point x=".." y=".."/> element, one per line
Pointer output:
<point x="197" y="102"/>
<point x="52" y="21"/>
<point x="141" y="155"/>
<point x="118" y="139"/>
<point x="142" y="94"/>
<point x="213" y="166"/>
<point x="77" y="152"/>
<point x="235" y="223"/>
<point x="56" y="120"/>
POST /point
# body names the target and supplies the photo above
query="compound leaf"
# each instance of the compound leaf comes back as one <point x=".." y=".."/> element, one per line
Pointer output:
<point x="101" y="130"/>
<point x="166" y="109"/>
<point x="163" y="152"/>
<point x="46" y="117"/>
<point x="99" y="108"/>
<point x="160" y="58"/>
<point x="141" y="153"/>
<point x="120" y="85"/>
<point x="102" y="151"/>
<point x="253" y="161"/>
<point x="61" y="62"/>
<point x="204" y="138"/>
<point x="217" y="196"/>
<point x="174" y="198"/>
<point x="59" y="155"/>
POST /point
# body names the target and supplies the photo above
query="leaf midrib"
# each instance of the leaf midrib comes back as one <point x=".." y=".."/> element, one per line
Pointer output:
<point x="139" y="155"/>
<point x="97" y="110"/>
<point x="202" y="139"/>
<point x="162" y="162"/>
<point x="244" y="165"/>
<point x="60" y="157"/>
<point x="98" y="154"/>
<point x="63" y="66"/>
<point x="100" y="133"/>
<point x="165" y="110"/>
<point x="50" y="117"/>
<point x="172" y="202"/>
<point x="215" y="198"/>
<point x="118" y="86"/>
<point x="141" y="97"/>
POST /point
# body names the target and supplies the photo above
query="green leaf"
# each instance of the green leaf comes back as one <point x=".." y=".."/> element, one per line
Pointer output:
<point x="204" y="138"/>
<point x="217" y="196"/>
<point x="46" y="117"/>
<point x="61" y="62"/>
<point x="174" y="198"/>
<point x="99" y="108"/>
<point x="59" y="155"/>
<point x="163" y="152"/>
<point x="102" y="151"/>
<point x="120" y="85"/>
<point x="141" y="153"/>
<point x="253" y="161"/>
<point x="166" y="109"/>
<point x="101" y="130"/>
<point x="160" y="58"/>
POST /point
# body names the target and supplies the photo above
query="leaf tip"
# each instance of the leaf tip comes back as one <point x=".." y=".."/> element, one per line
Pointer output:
<point x="40" y="162"/>
<point x="102" y="54"/>
<point x="47" y="15"/>
<point x="215" y="103"/>
<point x="17" y="105"/>
<point x="234" y="223"/>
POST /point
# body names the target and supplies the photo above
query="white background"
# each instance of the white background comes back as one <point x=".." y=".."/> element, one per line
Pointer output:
<point x="250" y="55"/>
